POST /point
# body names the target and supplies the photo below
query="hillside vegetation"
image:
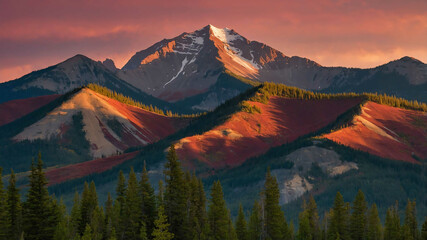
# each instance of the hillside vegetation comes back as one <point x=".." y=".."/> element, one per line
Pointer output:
<point x="182" y="210"/>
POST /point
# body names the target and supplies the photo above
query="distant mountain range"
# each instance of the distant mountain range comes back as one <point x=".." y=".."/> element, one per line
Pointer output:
<point x="185" y="73"/>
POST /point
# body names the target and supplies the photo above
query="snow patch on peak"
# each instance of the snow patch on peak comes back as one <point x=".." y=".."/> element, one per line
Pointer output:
<point x="184" y="63"/>
<point x="224" y="34"/>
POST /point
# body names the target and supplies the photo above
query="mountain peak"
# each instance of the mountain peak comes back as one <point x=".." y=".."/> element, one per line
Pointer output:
<point x="226" y="35"/>
<point x="409" y="59"/>
<point x="109" y="64"/>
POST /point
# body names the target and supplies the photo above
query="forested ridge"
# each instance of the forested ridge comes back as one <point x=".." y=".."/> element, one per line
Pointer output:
<point x="180" y="209"/>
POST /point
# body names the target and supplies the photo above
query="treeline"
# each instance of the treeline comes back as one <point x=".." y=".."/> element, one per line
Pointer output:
<point x="281" y="90"/>
<point x="129" y="101"/>
<point x="180" y="210"/>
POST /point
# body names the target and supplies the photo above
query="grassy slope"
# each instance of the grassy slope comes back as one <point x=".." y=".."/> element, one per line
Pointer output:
<point x="408" y="180"/>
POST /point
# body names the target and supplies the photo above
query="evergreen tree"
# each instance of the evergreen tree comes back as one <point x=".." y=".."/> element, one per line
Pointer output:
<point x="38" y="219"/>
<point x="58" y="214"/>
<point x="255" y="222"/>
<point x="14" y="208"/>
<point x="218" y="213"/>
<point x="313" y="218"/>
<point x="62" y="231"/>
<point x="231" y="232"/>
<point x="374" y="224"/>
<point x="143" y="232"/>
<point x="132" y="208"/>
<point x="97" y="223"/>
<point x="110" y="218"/>
<point x="304" y="230"/>
<point x="4" y="221"/>
<point x="324" y="226"/>
<point x="75" y="217"/>
<point x="275" y="223"/>
<point x="113" y="235"/>
<point x="161" y="231"/>
<point x="197" y="211"/>
<point x="148" y="205"/>
<point x="424" y="230"/>
<point x="358" y="217"/>
<point x="175" y="199"/>
<point x="88" y="204"/>
<point x="121" y="191"/>
<point x="411" y="219"/>
<point x="241" y="229"/>
<point x="120" y="200"/>
<point x="392" y="224"/>
<point x="338" y="223"/>
<point x="87" y="234"/>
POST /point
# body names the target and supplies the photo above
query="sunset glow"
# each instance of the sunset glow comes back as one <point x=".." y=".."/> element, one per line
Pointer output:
<point x="349" y="33"/>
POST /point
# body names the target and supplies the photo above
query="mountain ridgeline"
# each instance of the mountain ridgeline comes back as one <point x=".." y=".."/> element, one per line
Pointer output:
<point x="185" y="74"/>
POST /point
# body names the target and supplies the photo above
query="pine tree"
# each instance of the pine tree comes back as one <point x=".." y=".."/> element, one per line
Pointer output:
<point x="161" y="231"/>
<point x="110" y="218"/>
<point x="338" y="223"/>
<point x="62" y="231"/>
<point x="175" y="199"/>
<point x="374" y="224"/>
<point x="113" y="235"/>
<point x="121" y="190"/>
<point x="313" y="218"/>
<point x="392" y="224"/>
<point x="255" y="222"/>
<point x="148" y="207"/>
<point x="58" y="214"/>
<point x="4" y="221"/>
<point x="275" y="222"/>
<point x="358" y="217"/>
<point x="143" y="232"/>
<point x="411" y="219"/>
<point x="38" y="219"/>
<point x="218" y="213"/>
<point x="14" y="209"/>
<point x="132" y="208"/>
<point x="87" y="234"/>
<point x="231" y="231"/>
<point x="120" y="200"/>
<point x="304" y="231"/>
<point x="324" y="226"/>
<point x="197" y="210"/>
<point x="424" y="230"/>
<point x="241" y="229"/>
<point x="97" y="223"/>
<point x="75" y="217"/>
<point x="88" y="204"/>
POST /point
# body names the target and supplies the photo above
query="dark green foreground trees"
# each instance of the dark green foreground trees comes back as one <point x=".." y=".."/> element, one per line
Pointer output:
<point x="180" y="210"/>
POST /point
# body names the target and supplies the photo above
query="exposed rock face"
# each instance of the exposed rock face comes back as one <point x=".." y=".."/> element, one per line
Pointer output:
<point x="110" y="126"/>
<point x="109" y="64"/>
<point x="298" y="180"/>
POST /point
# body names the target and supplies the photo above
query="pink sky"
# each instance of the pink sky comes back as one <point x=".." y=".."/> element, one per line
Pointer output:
<point x="353" y="33"/>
